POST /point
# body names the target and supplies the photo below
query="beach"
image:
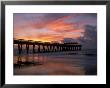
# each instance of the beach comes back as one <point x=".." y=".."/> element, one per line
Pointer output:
<point x="57" y="63"/>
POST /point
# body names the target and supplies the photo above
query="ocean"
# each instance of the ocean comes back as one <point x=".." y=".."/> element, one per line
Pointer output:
<point x="56" y="63"/>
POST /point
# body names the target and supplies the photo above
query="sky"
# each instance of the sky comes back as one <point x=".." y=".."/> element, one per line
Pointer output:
<point x="60" y="27"/>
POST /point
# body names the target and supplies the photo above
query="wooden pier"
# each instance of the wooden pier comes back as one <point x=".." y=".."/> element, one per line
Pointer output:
<point x="39" y="47"/>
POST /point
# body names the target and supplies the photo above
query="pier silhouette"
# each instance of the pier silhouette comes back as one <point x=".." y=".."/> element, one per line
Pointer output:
<point x="39" y="46"/>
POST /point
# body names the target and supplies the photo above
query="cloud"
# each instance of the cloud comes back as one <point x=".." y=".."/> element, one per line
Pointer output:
<point x="69" y="40"/>
<point x="54" y="26"/>
<point x="89" y="40"/>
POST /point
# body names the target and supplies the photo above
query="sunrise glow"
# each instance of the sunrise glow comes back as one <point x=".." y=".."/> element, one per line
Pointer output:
<point x="51" y="27"/>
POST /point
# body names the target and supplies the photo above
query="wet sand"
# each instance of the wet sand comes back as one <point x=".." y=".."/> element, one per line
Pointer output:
<point x="65" y="63"/>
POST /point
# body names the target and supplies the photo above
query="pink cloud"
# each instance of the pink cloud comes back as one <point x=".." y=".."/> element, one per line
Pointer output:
<point x="59" y="27"/>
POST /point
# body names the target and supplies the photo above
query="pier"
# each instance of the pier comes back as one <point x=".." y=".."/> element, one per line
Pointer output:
<point x="39" y="47"/>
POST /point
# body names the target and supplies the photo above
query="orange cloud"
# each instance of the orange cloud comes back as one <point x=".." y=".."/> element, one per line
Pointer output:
<point x="59" y="27"/>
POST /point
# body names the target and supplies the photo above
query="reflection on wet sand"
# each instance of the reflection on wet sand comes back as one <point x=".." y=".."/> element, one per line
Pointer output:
<point x="49" y="68"/>
<point x="50" y="64"/>
<point x="27" y="60"/>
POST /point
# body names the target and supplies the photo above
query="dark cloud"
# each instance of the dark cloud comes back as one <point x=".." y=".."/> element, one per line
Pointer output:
<point x="69" y="40"/>
<point x="89" y="40"/>
<point x="94" y="15"/>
